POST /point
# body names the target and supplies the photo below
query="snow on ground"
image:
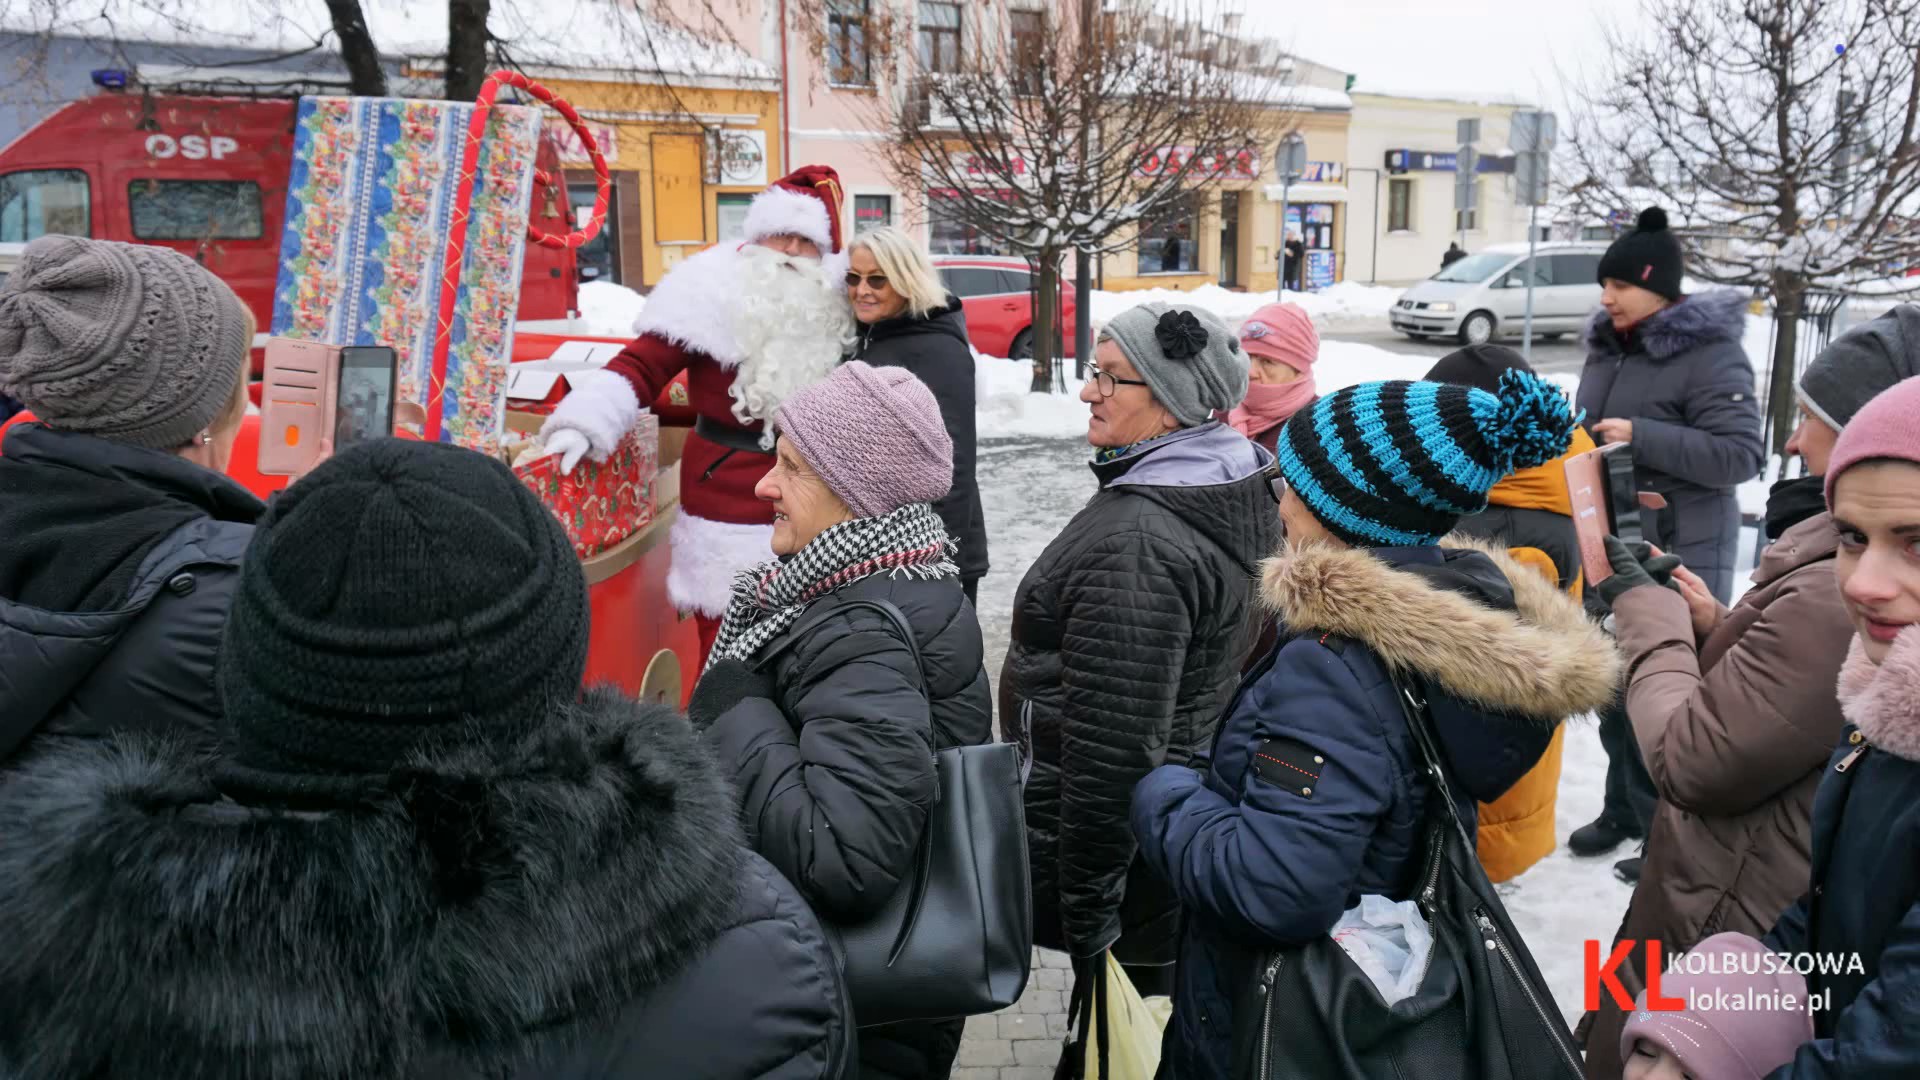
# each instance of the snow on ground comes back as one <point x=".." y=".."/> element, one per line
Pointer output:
<point x="1345" y="301"/>
<point x="608" y="309"/>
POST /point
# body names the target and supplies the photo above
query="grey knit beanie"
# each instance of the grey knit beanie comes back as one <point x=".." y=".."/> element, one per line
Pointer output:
<point x="1190" y="360"/>
<point x="1861" y="364"/>
<point x="130" y="342"/>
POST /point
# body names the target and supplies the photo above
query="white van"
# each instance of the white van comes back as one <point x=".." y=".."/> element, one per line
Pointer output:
<point x="1484" y="296"/>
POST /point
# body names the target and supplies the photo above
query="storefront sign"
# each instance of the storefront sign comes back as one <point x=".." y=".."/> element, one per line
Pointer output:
<point x="573" y="152"/>
<point x="742" y="158"/>
<point x="1319" y="270"/>
<point x="1324" y="172"/>
<point x="979" y="167"/>
<point x="1400" y="161"/>
<point x="1242" y="164"/>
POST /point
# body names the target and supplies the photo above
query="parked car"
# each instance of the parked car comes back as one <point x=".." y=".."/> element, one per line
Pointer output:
<point x="997" y="294"/>
<point x="9" y="258"/>
<point x="1484" y="295"/>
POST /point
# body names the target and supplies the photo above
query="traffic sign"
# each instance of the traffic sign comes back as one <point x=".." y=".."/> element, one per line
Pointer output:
<point x="1291" y="162"/>
<point x="1468" y="130"/>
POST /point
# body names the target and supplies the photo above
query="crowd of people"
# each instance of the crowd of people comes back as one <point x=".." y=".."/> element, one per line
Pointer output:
<point x="312" y="788"/>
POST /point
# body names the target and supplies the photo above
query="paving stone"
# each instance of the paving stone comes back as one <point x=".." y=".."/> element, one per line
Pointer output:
<point x="1016" y="1026"/>
<point x="993" y="1052"/>
<point x="1051" y="979"/>
<point x="981" y="1027"/>
<point x="1027" y="1074"/>
<point x="976" y="1074"/>
<point x="1041" y="1002"/>
<point x="1032" y="1052"/>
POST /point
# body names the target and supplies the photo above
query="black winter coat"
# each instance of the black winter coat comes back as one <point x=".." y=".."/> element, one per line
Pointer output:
<point x="116" y="570"/>
<point x="936" y="351"/>
<point x="1316" y="793"/>
<point x="1684" y="380"/>
<point x="1128" y="633"/>
<point x="835" y="771"/>
<point x="607" y="924"/>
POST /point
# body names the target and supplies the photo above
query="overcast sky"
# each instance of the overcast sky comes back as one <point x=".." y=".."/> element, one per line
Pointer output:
<point x="1484" y="46"/>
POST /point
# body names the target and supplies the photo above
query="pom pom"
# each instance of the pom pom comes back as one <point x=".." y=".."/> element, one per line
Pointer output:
<point x="1652" y="219"/>
<point x="1532" y="424"/>
<point x="1180" y="335"/>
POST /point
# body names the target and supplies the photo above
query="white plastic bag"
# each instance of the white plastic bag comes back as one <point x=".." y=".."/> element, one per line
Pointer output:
<point x="1389" y="941"/>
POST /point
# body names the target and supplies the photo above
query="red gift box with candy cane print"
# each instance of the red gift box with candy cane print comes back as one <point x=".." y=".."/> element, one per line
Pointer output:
<point x="601" y="504"/>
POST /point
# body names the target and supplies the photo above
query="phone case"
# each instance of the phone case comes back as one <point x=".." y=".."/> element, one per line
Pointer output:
<point x="296" y="404"/>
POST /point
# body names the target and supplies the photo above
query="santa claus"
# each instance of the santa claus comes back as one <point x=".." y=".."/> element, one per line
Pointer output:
<point x="750" y="324"/>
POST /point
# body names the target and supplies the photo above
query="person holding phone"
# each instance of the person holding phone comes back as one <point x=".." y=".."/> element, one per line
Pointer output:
<point x="122" y="535"/>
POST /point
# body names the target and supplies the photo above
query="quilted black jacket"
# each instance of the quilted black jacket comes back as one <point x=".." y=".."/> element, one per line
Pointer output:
<point x="1128" y="636"/>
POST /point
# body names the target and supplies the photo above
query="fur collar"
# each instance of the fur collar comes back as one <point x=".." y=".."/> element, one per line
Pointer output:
<point x="682" y="307"/>
<point x="1701" y="319"/>
<point x="148" y="921"/>
<point x="1544" y="660"/>
<point x="1883" y="700"/>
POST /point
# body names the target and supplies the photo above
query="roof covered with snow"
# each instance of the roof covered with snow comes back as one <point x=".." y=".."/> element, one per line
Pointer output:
<point x="1461" y="97"/>
<point x="588" y="35"/>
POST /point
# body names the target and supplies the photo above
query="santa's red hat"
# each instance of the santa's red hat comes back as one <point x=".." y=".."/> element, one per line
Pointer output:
<point x="805" y="202"/>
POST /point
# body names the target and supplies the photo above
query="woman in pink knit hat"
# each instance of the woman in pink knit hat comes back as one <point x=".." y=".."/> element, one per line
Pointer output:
<point x="823" y="716"/>
<point x="1281" y="346"/>
<point x="1746" y="1011"/>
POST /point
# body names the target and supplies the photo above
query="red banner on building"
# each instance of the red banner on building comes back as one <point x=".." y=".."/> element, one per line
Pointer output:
<point x="1158" y="161"/>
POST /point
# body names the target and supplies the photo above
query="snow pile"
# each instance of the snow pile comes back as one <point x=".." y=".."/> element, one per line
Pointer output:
<point x="608" y="310"/>
<point x="1346" y="300"/>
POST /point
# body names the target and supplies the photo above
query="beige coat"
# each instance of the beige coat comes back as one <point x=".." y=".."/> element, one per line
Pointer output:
<point x="1735" y="732"/>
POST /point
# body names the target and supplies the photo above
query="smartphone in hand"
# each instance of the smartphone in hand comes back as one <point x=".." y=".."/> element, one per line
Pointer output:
<point x="368" y="381"/>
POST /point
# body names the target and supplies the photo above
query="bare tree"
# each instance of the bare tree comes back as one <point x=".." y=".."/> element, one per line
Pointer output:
<point x="1781" y="133"/>
<point x="357" y="50"/>
<point x="1047" y="140"/>
<point x="467" y="41"/>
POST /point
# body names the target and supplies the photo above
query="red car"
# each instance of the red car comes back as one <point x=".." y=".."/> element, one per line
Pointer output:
<point x="997" y="293"/>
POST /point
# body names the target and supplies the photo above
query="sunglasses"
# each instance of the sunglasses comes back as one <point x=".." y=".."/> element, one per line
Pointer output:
<point x="876" y="282"/>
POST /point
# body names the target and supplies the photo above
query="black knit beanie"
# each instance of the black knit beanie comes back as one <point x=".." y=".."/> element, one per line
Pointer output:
<point x="402" y="596"/>
<point x="1649" y="256"/>
<point x="1478" y="366"/>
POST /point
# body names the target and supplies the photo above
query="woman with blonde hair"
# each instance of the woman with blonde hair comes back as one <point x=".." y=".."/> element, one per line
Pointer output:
<point x="123" y="538"/>
<point x="909" y="320"/>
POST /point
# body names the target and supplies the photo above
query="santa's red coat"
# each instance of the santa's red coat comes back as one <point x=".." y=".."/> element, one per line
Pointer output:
<point x="715" y="483"/>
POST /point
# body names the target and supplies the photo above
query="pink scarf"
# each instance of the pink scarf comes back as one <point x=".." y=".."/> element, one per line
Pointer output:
<point x="1270" y="405"/>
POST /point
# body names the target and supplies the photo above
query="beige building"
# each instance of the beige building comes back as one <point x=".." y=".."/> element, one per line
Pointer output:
<point x="1401" y="184"/>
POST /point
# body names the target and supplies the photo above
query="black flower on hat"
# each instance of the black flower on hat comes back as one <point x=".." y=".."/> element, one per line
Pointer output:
<point x="1180" y="335"/>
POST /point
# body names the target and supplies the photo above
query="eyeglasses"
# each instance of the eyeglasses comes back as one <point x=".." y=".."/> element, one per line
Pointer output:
<point x="1278" y="485"/>
<point x="876" y="282"/>
<point x="1108" y="384"/>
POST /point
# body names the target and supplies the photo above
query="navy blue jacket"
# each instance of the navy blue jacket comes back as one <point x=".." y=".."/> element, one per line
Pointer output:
<point x="1314" y="796"/>
<point x="1865" y="896"/>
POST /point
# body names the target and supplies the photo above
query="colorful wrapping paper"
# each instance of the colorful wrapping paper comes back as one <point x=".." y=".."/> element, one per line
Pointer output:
<point x="601" y="504"/>
<point x="369" y="202"/>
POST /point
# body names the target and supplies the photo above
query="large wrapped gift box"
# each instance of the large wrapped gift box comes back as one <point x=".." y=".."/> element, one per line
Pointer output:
<point x="374" y="189"/>
<point x="602" y="503"/>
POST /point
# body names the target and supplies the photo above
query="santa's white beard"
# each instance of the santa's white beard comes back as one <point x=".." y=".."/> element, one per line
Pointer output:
<point x="792" y="326"/>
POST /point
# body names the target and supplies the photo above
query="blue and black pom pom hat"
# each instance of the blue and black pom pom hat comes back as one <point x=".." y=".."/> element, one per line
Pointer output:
<point x="1398" y="464"/>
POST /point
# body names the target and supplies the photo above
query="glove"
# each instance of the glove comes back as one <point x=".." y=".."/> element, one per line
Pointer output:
<point x="1633" y="567"/>
<point x="725" y="685"/>
<point x="570" y="446"/>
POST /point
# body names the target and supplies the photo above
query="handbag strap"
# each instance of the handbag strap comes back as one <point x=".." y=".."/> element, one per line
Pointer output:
<point x="1413" y="704"/>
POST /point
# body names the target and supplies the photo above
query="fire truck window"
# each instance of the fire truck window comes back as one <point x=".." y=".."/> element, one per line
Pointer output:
<point x="195" y="210"/>
<point x="41" y="201"/>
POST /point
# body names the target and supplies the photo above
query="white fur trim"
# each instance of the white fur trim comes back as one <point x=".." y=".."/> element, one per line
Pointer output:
<point x="687" y="306"/>
<point x="600" y="405"/>
<point x="777" y="210"/>
<point x="707" y="555"/>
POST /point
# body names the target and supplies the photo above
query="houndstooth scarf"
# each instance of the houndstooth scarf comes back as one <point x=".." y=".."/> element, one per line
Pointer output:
<point x="769" y="598"/>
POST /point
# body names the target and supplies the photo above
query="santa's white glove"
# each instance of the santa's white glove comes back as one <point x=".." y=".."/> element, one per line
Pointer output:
<point x="590" y="421"/>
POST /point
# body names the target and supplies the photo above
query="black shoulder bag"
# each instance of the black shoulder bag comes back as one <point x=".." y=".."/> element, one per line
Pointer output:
<point x="956" y="938"/>
<point x="1307" y="1012"/>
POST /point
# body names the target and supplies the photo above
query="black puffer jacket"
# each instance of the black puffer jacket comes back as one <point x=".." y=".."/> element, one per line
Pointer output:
<point x="613" y="926"/>
<point x="835" y="773"/>
<point x="1684" y="380"/>
<point x="935" y="349"/>
<point x="116" y="568"/>
<point x="1128" y="634"/>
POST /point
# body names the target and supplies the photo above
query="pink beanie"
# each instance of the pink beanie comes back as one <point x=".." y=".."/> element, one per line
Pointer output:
<point x="1282" y="332"/>
<point x="1726" y="1042"/>
<point x="1886" y="427"/>
<point x="874" y="434"/>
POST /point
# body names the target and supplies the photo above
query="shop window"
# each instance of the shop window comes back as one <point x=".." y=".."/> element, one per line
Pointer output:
<point x="598" y="259"/>
<point x="195" y="209"/>
<point x="847" y="61"/>
<point x="1029" y="49"/>
<point x="953" y="236"/>
<point x="732" y="213"/>
<point x="939" y="36"/>
<point x="1399" y="206"/>
<point x="37" y="202"/>
<point x="1169" y="240"/>
<point x="1601" y="233"/>
<point x="871" y="212"/>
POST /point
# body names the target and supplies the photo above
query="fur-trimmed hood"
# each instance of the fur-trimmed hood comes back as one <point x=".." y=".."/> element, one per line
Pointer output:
<point x="501" y="891"/>
<point x="1543" y="660"/>
<point x="1706" y="318"/>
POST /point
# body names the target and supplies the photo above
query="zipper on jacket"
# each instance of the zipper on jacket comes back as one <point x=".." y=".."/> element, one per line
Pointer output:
<point x="1553" y="1023"/>
<point x="1847" y="762"/>
<point x="1266" y="1016"/>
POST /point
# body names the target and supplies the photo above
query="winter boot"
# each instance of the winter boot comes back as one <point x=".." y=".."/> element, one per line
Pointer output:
<point x="1600" y="836"/>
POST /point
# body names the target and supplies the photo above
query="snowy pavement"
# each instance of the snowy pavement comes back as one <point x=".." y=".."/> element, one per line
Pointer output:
<point x="1032" y="487"/>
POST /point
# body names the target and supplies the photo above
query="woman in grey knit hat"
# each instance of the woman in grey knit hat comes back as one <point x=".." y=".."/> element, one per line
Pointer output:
<point x="1129" y="629"/>
<point x="123" y="538"/>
